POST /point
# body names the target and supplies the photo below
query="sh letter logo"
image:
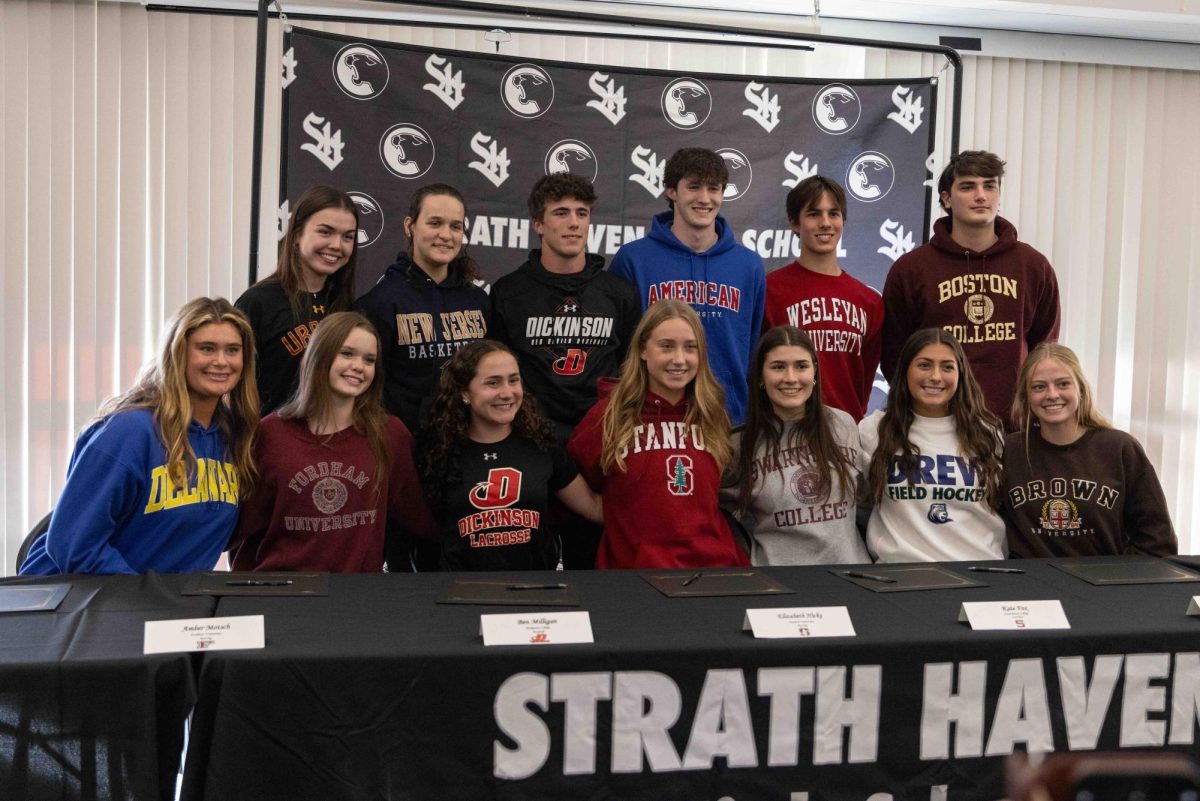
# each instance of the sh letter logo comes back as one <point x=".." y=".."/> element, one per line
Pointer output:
<point x="651" y="176"/>
<point x="612" y="97"/>
<point x="327" y="143"/>
<point x="449" y="86"/>
<point x="493" y="160"/>
<point x="502" y="488"/>
<point x="766" y="106"/>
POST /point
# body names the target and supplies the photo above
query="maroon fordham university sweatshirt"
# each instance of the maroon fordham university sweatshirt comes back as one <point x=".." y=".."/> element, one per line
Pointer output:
<point x="999" y="304"/>
<point x="315" y="505"/>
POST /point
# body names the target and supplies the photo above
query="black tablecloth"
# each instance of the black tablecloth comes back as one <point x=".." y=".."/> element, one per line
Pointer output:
<point x="377" y="692"/>
<point x="83" y="714"/>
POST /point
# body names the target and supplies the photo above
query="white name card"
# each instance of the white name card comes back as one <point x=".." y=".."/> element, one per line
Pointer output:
<point x="543" y="628"/>
<point x="1194" y="606"/>
<point x="799" y="621"/>
<point x="1014" y="615"/>
<point x="204" y="634"/>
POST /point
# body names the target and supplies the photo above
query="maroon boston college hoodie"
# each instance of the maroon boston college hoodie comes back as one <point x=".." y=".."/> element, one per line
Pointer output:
<point x="999" y="304"/>
<point x="661" y="510"/>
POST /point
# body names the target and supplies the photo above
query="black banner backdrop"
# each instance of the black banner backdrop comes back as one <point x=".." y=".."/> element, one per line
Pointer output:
<point x="381" y="120"/>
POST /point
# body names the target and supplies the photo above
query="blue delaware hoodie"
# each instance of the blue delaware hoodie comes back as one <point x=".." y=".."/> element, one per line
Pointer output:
<point x="121" y="513"/>
<point x="725" y="284"/>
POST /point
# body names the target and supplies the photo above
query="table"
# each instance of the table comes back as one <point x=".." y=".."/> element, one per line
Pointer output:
<point x="83" y="714"/>
<point x="377" y="692"/>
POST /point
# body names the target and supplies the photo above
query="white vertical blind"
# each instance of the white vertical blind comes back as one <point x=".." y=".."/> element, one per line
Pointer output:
<point x="126" y="177"/>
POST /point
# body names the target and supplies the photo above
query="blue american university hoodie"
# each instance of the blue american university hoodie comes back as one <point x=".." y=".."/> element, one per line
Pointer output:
<point x="725" y="284"/>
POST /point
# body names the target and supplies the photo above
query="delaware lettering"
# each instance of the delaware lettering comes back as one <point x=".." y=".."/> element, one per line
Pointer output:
<point x="215" y="481"/>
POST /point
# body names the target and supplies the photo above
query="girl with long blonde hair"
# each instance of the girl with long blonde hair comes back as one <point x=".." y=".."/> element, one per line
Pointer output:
<point x="655" y="447"/>
<point x="1073" y="484"/>
<point x="337" y="474"/>
<point x="154" y="481"/>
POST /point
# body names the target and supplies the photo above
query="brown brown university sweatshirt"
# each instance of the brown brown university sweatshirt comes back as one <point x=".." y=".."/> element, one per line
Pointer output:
<point x="1097" y="496"/>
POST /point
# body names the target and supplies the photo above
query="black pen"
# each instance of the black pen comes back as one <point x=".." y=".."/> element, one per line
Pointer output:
<point x="872" y="577"/>
<point x="536" y="587"/>
<point x="690" y="579"/>
<point x="994" y="569"/>
<point x="258" y="583"/>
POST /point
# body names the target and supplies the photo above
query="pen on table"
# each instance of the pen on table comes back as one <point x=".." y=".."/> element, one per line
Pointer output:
<point x="690" y="579"/>
<point x="258" y="583"/>
<point x="536" y="587"/>
<point x="995" y="569"/>
<point x="872" y="577"/>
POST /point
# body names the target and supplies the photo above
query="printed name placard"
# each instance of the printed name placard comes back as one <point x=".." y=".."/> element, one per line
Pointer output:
<point x="538" y="628"/>
<point x="1014" y="615"/>
<point x="799" y="621"/>
<point x="1194" y="606"/>
<point x="204" y="634"/>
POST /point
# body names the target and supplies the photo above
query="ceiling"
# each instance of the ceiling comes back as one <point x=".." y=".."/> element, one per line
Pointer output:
<point x="1151" y="20"/>
<point x="1156" y="20"/>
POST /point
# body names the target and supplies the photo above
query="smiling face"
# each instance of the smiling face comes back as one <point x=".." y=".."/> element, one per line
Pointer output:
<point x="564" y="229"/>
<point x="325" y="245"/>
<point x="788" y="377"/>
<point x="696" y="202"/>
<point x="494" y="396"/>
<point x="437" y="233"/>
<point x="933" y="380"/>
<point x="1054" y="397"/>
<point x="973" y="201"/>
<point x="353" y="367"/>
<point x="672" y="357"/>
<point x="214" y="362"/>
<point x="819" y="227"/>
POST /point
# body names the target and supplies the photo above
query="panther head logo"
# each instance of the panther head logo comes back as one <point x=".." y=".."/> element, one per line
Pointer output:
<point x="360" y="71"/>
<point x="572" y="156"/>
<point x="870" y="176"/>
<point x="370" y="217"/>
<point x="686" y="103"/>
<point x="740" y="172"/>
<point x="527" y="90"/>
<point x="836" y="109"/>
<point x="406" y="150"/>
